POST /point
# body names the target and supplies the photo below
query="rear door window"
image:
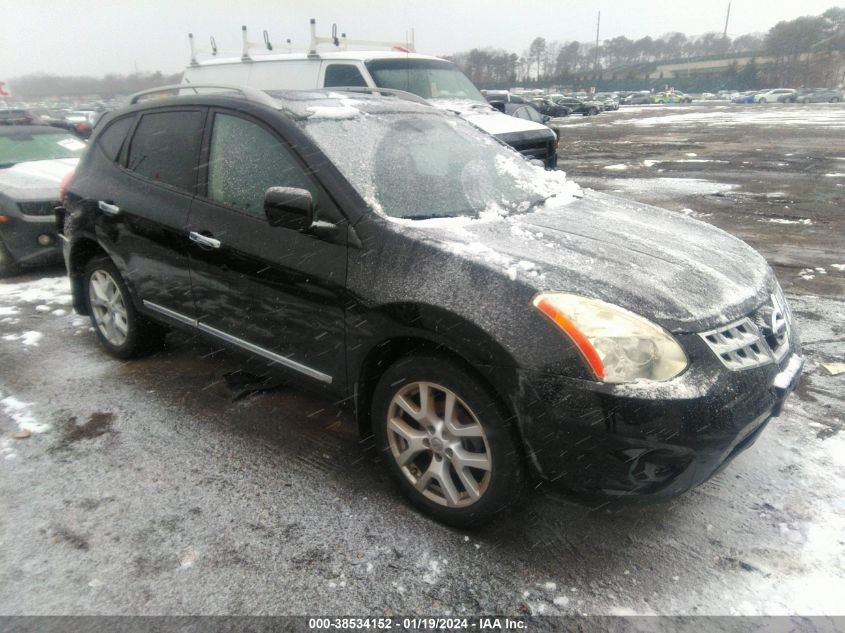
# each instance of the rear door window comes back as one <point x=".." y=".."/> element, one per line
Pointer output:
<point x="165" y="147"/>
<point x="338" y="75"/>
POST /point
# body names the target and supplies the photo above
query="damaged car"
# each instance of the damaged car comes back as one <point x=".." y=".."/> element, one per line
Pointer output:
<point x="491" y="322"/>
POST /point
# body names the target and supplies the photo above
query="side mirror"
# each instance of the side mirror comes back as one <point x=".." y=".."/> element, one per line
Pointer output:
<point x="288" y="207"/>
<point x="546" y="118"/>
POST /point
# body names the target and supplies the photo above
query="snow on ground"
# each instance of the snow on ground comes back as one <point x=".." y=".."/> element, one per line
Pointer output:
<point x="27" y="302"/>
<point x="28" y="338"/>
<point x="55" y="290"/>
<point x="829" y="118"/>
<point x="669" y="187"/>
<point x="806" y="221"/>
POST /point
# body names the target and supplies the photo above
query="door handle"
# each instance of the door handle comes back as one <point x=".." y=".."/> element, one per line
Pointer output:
<point x="107" y="207"/>
<point x="203" y="240"/>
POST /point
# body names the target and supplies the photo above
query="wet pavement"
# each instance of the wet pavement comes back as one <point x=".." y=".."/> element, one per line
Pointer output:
<point x="153" y="487"/>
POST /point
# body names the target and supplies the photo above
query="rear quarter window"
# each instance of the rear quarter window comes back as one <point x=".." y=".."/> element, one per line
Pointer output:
<point x="111" y="139"/>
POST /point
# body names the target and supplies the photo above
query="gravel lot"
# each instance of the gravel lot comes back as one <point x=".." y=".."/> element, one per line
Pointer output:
<point x="149" y="487"/>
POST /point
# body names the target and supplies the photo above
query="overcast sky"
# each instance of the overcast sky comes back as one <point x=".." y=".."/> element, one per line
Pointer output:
<point x="95" y="37"/>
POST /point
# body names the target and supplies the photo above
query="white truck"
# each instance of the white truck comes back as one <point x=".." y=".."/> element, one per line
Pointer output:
<point x="436" y="80"/>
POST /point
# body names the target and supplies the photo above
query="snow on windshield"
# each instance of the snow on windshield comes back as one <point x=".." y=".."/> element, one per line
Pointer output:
<point x="418" y="166"/>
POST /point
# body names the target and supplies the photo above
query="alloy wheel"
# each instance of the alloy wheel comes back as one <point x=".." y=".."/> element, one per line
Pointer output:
<point x="108" y="307"/>
<point x="439" y="444"/>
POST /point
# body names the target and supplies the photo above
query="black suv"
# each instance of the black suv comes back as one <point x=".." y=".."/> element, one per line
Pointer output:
<point x="489" y="320"/>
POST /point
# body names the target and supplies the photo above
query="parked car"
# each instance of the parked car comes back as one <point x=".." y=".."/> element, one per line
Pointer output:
<point x="577" y="106"/>
<point x="530" y="113"/>
<point x="550" y="108"/>
<point x="81" y="126"/>
<point x="609" y="101"/>
<point x="16" y="116"/>
<point x="504" y="96"/>
<point x="819" y="95"/>
<point x="638" y="98"/>
<point x="527" y="112"/>
<point x="389" y="256"/>
<point x="745" y="97"/>
<point x="33" y="161"/>
<point x="438" y="81"/>
<point x="778" y="95"/>
<point x="671" y="97"/>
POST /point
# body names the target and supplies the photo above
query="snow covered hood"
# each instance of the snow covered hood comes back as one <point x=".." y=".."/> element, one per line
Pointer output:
<point x="489" y="119"/>
<point x="684" y="274"/>
<point x="35" y="180"/>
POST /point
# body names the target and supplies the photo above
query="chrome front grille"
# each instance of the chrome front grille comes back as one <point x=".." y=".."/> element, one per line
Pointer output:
<point x="756" y="340"/>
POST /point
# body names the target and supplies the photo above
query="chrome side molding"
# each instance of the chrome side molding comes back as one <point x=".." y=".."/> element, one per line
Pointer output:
<point x="239" y="342"/>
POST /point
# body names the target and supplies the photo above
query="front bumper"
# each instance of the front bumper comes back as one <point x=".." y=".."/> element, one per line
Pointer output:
<point x="20" y="234"/>
<point x="647" y="441"/>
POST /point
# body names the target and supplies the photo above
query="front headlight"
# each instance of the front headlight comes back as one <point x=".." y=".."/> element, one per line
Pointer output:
<point x="618" y="345"/>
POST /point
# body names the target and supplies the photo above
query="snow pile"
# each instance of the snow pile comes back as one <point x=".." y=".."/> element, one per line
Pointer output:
<point x="334" y="112"/>
<point x="785" y="221"/>
<point x="21" y="414"/>
<point x="28" y="338"/>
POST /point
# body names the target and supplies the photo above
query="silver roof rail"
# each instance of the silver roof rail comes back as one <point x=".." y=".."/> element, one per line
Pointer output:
<point x="401" y="94"/>
<point x="251" y="94"/>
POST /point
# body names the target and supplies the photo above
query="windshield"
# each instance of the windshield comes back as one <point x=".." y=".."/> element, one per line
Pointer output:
<point x="21" y="145"/>
<point x="422" y="166"/>
<point x="428" y="78"/>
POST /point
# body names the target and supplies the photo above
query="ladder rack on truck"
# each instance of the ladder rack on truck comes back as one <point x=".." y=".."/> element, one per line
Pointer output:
<point x="341" y="43"/>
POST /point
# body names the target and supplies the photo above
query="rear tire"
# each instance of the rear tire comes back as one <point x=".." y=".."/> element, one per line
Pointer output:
<point x="122" y="330"/>
<point x="432" y="418"/>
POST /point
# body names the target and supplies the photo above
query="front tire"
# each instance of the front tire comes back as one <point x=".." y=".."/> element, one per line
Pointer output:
<point x="446" y="441"/>
<point x="122" y="330"/>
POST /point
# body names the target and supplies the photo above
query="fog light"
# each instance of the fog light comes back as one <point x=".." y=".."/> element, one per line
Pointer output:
<point x="45" y="239"/>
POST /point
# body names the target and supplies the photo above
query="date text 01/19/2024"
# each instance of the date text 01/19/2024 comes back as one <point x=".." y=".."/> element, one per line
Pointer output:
<point x="417" y="624"/>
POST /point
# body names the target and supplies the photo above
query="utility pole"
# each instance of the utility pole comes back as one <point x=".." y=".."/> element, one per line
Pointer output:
<point x="727" y="18"/>
<point x="598" y="26"/>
